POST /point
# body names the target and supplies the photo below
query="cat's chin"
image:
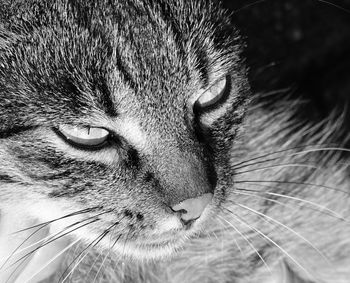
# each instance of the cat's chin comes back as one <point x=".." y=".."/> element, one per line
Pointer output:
<point x="160" y="246"/>
<point x="150" y="251"/>
<point x="143" y="250"/>
<point x="163" y="246"/>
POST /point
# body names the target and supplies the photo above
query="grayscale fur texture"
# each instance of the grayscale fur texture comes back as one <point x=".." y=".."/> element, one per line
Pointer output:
<point x="281" y="189"/>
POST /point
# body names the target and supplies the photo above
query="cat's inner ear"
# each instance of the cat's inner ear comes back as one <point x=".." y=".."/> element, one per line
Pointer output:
<point x="88" y="137"/>
<point x="212" y="97"/>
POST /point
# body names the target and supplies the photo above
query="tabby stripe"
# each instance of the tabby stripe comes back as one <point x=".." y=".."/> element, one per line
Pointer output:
<point x="202" y="65"/>
<point x="127" y="77"/>
<point x="106" y="96"/>
<point x="6" y="179"/>
<point x="6" y="133"/>
<point x="168" y="18"/>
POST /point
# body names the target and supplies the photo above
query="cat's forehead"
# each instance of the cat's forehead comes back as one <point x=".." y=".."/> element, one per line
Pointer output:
<point x="120" y="58"/>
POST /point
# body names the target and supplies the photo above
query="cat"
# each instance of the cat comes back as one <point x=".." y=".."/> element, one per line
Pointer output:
<point x="132" y="150"/>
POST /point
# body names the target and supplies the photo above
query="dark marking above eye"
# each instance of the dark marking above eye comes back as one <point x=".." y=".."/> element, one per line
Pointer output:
<point x="126" y="74"/>
<point x="105" y="96"/>
<point x="202" y="64"/>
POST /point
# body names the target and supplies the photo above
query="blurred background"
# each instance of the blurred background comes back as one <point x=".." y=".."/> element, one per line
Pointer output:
<point x="299" y="48"/>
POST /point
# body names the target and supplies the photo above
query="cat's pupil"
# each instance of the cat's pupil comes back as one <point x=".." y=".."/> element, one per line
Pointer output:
<point x="87" y="138"/>
<point x="211" y="96"/>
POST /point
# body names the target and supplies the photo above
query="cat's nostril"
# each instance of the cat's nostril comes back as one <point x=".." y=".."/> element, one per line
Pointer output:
<point x="187" y="223"/>
<point x="192" y="208"/>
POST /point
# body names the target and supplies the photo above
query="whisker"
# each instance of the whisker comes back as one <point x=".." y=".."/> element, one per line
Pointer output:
<point x="321" y="1"/>
<point x="23" y="258"/>
<point x="109" y="250"/>
<point x="249" y="242"/>
<point x="270" y="240"/>
<point x="275" y="152"/>
<point x="249" y="5"/>
<point x="117" y="239"/>
<point x="49" y="237"/>
<point x="321" y="207"/>
<point x="101" y="265"/>
<point x="240" y="191"/>
<point x="52" y="240"/>
<point x="236" y="243"/>
<point x="287" y="228"/>
<point x="335" y="5"/>
<point x="291" y="183"/>
<point x="106" y="256"/>
<point x="243" y="164"/>
<point x="57" y="219"/>
<point x="53" y="259"/>
<point x="16" y="250"/>
<point x="41" y="226"/>
<point x="314" y="206"/>
<point x="95" y="242"/>
<point x="82" y="255"/>
<point x="126" y="238"/>
<point x="216" y="236"/>
<point x="93" y="264"/>
<point x="285" y="165"/>
<point x="65" y="229"/>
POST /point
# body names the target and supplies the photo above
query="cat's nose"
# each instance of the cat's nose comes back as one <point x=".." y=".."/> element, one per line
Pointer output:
<point x="192" y="208"/>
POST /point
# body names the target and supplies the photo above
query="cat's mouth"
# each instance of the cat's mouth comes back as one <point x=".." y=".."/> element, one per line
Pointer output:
<point x="155" y="245"/>
<point x="173" y="236"/>
<point x="165" y="244"/>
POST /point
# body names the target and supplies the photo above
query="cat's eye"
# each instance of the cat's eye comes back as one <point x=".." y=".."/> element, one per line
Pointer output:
<point x="213" y="95"/>
<point x="84" y="137"/>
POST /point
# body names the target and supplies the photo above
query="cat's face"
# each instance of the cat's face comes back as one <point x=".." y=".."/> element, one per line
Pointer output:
<point x="121" y="111"/>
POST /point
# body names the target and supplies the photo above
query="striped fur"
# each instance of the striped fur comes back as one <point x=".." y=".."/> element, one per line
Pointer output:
<point x="133" y="67"/>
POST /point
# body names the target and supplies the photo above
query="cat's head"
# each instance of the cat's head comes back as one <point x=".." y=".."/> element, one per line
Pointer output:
<point x="121" y="110"/>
